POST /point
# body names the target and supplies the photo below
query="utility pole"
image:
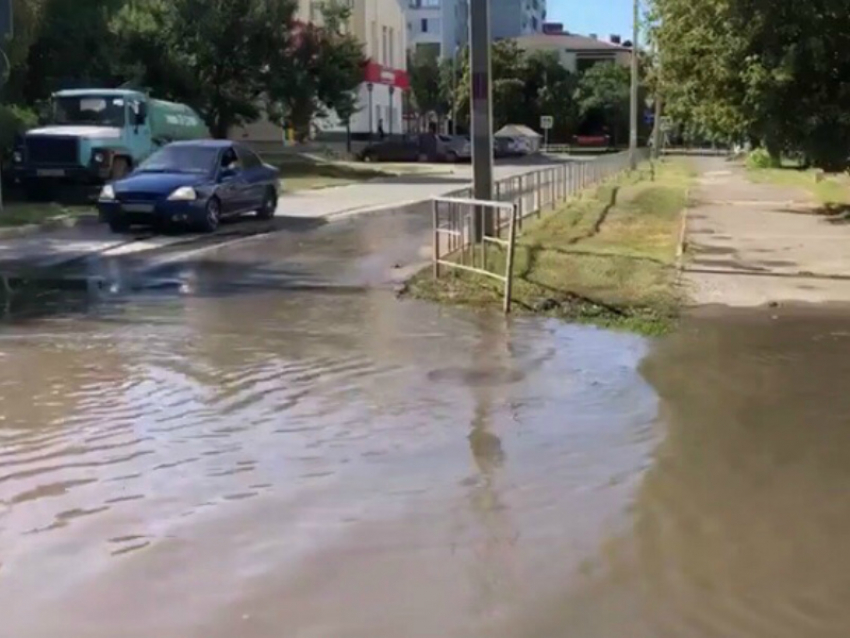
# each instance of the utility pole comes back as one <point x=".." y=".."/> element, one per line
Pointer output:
<point x="633" y="133"/>
<point x="482" y="110"/>
<point x="659" y="110"/>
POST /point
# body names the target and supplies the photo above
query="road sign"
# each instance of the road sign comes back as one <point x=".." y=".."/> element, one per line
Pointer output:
<point x="5" y="20"/>
<point x="546" y="122"/>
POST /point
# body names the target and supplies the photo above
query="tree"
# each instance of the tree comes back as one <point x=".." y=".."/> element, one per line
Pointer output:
<point x="602" y="97"/>
<point x="72" y="45"/>
<point x="27" y="24"/>
<point x="228" y="45"/>
<point x="425" y="86"/>
<point x="316" y="72"/>
<point x="773" y="73"/>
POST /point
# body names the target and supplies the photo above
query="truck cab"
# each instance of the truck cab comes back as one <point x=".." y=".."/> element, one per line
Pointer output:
<point x="99" y="135"/>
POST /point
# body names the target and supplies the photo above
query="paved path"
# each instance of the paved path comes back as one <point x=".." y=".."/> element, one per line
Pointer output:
<point x="393" y="192"/>
<point x="752" y="244"/>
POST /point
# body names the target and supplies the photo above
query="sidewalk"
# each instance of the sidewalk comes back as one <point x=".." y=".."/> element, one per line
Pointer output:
<point x="390" y="192"/>
<point x="751" y="244"/>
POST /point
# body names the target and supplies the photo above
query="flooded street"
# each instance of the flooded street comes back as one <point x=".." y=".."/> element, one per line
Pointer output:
<point x="263" y="441"/>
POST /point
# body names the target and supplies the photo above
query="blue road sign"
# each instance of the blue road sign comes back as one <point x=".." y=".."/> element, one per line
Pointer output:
<point x="649" y="117"/>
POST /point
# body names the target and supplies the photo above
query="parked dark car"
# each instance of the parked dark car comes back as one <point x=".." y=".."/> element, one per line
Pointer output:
<point x="192" y="183"/>
<point x="405" y="148"/>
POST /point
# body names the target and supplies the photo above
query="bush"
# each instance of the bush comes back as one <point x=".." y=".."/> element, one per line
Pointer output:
<point x="13" y="120"/>
<point x="760" y="158"/>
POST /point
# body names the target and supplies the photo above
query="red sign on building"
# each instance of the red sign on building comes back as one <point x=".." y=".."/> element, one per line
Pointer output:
<point x="378" y="74"/>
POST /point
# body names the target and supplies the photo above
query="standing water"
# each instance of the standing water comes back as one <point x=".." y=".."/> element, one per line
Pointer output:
<point x="331" y="463"/>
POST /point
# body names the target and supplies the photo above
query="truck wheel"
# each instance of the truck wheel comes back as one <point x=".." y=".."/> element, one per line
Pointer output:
<point x="120" y="168"/>
<point x="269" y="206"/>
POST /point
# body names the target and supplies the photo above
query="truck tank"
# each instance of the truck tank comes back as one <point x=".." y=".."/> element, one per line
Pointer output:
<point x="172" y="122"/>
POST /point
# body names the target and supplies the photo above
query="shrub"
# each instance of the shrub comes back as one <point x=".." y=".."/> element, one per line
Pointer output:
<point x="760" y="158"/>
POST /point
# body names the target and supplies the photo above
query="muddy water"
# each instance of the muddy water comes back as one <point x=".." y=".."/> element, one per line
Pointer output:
<point x="329" y="464"/>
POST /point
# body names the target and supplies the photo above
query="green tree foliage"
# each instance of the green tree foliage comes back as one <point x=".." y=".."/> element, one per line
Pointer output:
<point x="315" y="72"/>
<point x="603" y="95"/>
<point x="525" y="86"/>
<point x="427" y="84"/>
<point x="773" y="73"/>
<point x="227" y="58"/>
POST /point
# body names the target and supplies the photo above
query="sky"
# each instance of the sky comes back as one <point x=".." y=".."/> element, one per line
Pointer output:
<point x="602" y="17"/>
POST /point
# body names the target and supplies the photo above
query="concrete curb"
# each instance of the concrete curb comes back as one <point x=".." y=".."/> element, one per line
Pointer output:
<point x="49" y="224"/>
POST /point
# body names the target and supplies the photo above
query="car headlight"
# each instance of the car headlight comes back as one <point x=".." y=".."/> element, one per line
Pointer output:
<point x="17" y="157"/>
<point x="107" y="194"/>
<point x="183" y="194"/>
<point x="98" y="158"/>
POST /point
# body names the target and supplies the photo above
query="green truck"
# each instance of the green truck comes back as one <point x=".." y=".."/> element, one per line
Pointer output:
<point x="99" y="135"/>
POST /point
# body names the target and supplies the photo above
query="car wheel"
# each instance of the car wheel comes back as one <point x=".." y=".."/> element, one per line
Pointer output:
<point x="212" y="216"/>
<point x="368" y="157"/>
<point x="118" y="225"/>
<point x="269" y="205"/>
<point x="451" y="156"/>
<point x="120" y="168"/>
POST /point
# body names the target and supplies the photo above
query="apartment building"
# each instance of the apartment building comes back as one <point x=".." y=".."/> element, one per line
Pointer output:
<point x="437" y="27"/>
<point x="514" y="18"/>
<point x="380" y="25"/>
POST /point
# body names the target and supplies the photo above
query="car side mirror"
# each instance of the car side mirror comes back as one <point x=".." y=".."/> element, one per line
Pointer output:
<point x="227" y="174"/>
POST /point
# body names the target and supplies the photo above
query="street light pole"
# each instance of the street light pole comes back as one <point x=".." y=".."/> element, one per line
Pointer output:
<point x="633" y="129"/>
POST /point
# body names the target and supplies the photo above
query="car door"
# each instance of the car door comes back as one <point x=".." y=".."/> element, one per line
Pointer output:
<point x="256" y="178"/>
<point x="232" y="189"/>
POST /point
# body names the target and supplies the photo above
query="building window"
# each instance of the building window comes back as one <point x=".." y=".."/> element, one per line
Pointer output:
<point x="373" y="45"/>
<point x="424" y="25"/>
<point x="384" y="46"/>
<point x="415" y="4"/>
<point x="391" y="55"/>
<point x="431" y="4"/>
<point x="534" y="23"/>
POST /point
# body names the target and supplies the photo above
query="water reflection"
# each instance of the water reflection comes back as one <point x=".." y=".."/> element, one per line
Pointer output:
<point x="493" y="568"/>
<point x="740" y="523"/>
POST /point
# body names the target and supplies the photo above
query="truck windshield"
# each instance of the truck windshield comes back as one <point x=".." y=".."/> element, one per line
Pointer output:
<point x="181" y="159"/>
<point x="90" y="109"/>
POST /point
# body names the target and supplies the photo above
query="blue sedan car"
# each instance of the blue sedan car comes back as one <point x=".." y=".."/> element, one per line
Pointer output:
<point x="192" y="183"/>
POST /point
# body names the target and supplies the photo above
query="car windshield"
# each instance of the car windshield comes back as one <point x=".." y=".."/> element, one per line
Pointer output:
<point x="181" y="159"/>
<point x="99" y="110"/>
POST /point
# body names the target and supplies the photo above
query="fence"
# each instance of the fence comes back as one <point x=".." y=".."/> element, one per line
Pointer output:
<point x="464" y="228"/>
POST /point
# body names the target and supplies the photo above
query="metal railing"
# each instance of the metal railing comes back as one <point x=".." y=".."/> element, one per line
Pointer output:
<point x="463" y="231"/>
<point x="464" y="227"/>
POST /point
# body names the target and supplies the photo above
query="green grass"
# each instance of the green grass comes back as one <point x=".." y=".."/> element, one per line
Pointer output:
<point x="22" y="214"/>
<point x="606" y="258"/>
<point x="828" y="190"/>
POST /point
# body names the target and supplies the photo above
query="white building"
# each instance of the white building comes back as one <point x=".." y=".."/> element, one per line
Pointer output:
<point x="577" y="52"/>
<point x="440" y="27"/>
